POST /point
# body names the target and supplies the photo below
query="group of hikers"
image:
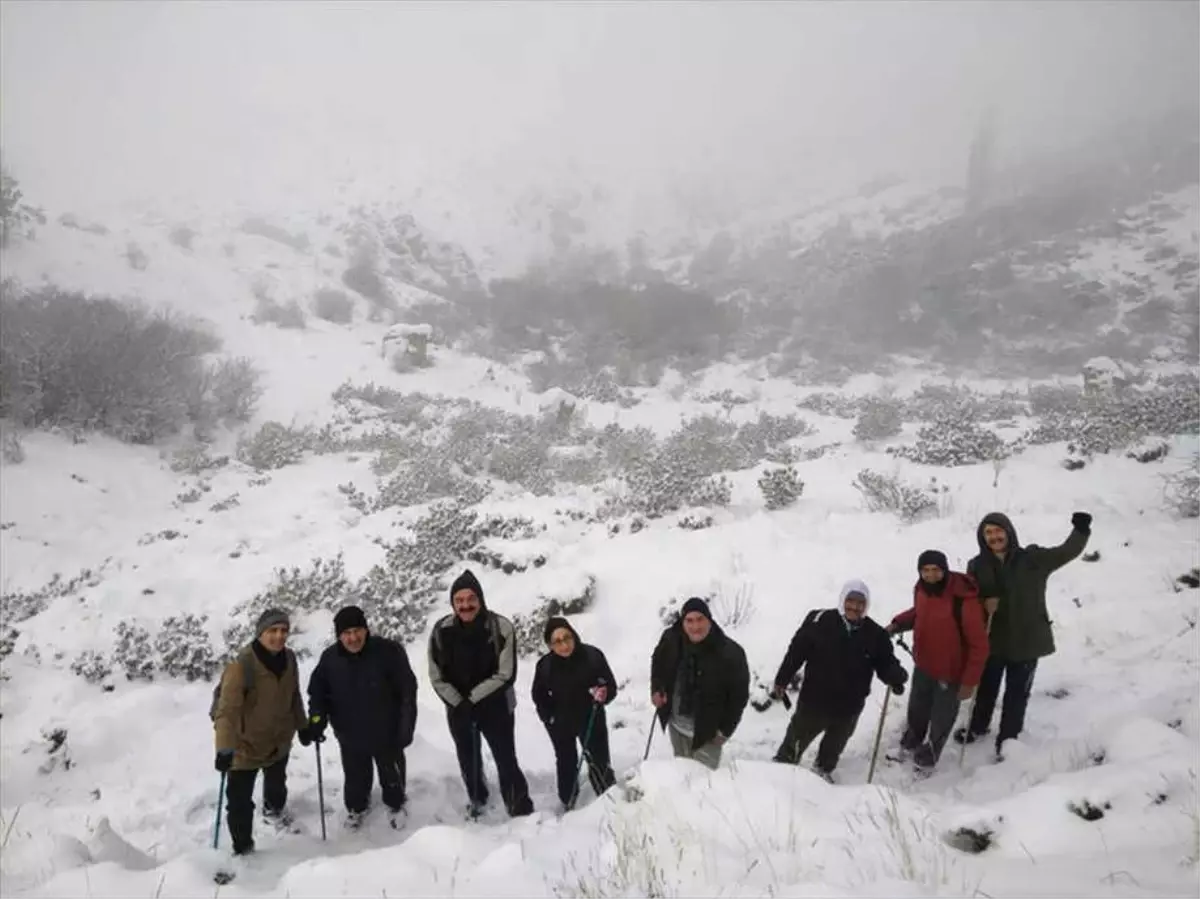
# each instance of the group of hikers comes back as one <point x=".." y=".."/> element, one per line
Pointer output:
<point x="971" y="632"/>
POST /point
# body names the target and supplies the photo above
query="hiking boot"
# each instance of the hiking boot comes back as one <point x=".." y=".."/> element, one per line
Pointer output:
<point x="924" y="758"/>
<point x="909" y="743"/>
<point x="244" y="849"/>
<point x="826" y="776"/>
<point x="963" y="735"/>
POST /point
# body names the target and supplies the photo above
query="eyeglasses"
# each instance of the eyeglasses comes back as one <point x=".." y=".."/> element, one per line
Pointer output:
<point x="562" y="641"/>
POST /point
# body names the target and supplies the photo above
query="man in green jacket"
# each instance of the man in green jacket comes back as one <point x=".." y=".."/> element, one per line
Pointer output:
<point x="1012" y="579"/>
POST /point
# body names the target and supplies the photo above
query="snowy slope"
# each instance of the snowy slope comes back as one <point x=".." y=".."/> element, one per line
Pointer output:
<point x="123" y="803"/>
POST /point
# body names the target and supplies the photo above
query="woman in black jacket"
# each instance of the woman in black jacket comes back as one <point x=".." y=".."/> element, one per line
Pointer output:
<point x="571" y="686"/>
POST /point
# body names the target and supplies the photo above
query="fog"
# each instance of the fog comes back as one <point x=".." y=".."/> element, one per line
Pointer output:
<point x="214" y="103"/>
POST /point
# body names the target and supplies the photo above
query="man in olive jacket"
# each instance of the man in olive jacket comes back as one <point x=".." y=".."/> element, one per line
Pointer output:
<point x="1012" y="580"/>
<point x="700" y="684"/>
<point x="257" y="712"/>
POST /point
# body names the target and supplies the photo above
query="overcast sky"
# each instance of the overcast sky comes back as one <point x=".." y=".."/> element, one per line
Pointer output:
<point x="103" y="100"/>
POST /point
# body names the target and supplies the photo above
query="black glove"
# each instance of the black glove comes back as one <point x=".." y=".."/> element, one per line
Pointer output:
<point x="898" y="689"/>
<point x="224" y="760"/>
<point x="1082" y="521"/>
<point x="316" y="729"/>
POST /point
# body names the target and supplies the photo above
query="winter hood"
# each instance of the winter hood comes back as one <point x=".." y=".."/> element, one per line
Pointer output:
<point x="854" y="586"/>
<point x="1000" y="520"/>
<point x="554" y="624"/>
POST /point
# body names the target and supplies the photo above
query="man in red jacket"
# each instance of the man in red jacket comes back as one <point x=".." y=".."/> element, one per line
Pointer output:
<point x="950" y="648"/>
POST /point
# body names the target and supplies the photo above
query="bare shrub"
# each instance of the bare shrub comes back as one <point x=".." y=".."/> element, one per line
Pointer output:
<point x="96" y="364"/>
<point x="333" y="306"/>
<point x="289" y="315"/>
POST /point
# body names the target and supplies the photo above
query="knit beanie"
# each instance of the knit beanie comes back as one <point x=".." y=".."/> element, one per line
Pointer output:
<point x="933" y="557"/>
<point x="467" y="581"/>
<point x="269" y="619"/>
<point x="695" y="604"/>
<point x="350" y="616"/>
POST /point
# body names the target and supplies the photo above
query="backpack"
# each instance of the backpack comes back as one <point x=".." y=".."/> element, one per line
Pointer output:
<point x="814" y="616"/>
<point x="247" y="664"/>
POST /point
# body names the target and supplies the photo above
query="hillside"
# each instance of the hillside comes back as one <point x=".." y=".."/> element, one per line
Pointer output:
<point x="616" y="427"/>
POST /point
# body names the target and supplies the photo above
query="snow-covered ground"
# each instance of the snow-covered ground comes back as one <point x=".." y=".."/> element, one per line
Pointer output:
<point x="124" y="803"/>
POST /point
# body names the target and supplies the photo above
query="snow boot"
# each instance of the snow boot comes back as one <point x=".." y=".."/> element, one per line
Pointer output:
<point x="963" y="735"/>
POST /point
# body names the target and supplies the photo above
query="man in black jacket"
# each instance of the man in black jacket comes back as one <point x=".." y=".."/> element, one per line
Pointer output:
<point x="364" y="686"/>
<point x="700" y="684"/>
<point x="472" y="668"/>
<point x="840" y="649"/>
<point x="571" y="686"/>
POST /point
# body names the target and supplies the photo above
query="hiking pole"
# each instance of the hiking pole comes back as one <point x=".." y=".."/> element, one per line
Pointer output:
<point x="587" y="739"/>
<point x="217" y="823"/>
<point x="879" y="734"/>
<point x="320" y="789"/>
<point x="900" y="642"/>
<point x="962" y="751"/>
<point x="650" y="738"/>
<point x="476" y="761"/>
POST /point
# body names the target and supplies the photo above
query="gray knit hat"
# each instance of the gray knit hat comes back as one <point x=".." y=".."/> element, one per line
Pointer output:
<point x="270" y="618"/>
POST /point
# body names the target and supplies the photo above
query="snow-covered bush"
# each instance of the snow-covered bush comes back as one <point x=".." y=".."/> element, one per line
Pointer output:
<point x="763" y="437"/>
<point x="17" y="217"/>
<point x="323" y="586"/>
<point x="522" y="459"/>
<point x="887" y="493"/>
<point x="425" y="478"/>
<point x="954" y="438"/>
<point x="1181" y="490"/>
<point x="133" y="652"/>
<point x="1104" y="421"/>
<point x="94" y="667"/>
<point x="12" y="448"/>
<point x="67" y="360"/>
<point x="20" y="605"/>
<point x="530" y="627"/>
<point x="194" y="458"/>
<point x="282" y="315"/>
<point x="184" y="649"/>
<point x="234" y="390"/>
<point x="669" y="480"/>
<point x="333" y="306"/>
<point x="273" y="446"/>
<point x="694" y="523"/>
<point x="835" y="405"/>
<point x="780" y="487"/>
<point x="879" y="419"/>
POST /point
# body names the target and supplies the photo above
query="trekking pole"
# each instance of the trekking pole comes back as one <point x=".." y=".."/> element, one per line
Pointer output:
<point x="900" y="642"/>
<point x="320" y="789"/>
<point x="962" y="750"/>
<point x="879" y="734"/>
<point x="587" y="739"/>
<point x="650" y="738"/>
<point x="217" y="823"/>
<point x="476" y="760"/>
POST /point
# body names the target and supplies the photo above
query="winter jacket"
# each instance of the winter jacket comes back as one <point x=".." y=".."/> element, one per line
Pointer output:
<point x="839" y="661"/>
<point x="1021" y="626"/>
<point x="940" y="648"/>
<point x="560" y="686"/>
<point x="722" y="680"/>
<point x="258" y="724"/>
<point x="477" y="661"/>
<point x="369" y="697"/>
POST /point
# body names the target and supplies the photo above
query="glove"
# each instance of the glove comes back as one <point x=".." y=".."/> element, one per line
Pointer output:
<point x="898" y="689"/>
<point x="779" y="691"/>
<point x="1082" y="521"/>
<point x="599" y="693"/>
<point x="316" y="728"/>
<point x="224" y="760"/>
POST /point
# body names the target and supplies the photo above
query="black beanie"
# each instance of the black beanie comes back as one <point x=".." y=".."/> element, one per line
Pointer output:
<point x="695" y="604"/>
<point x="467" y="581"/>
<point x="350" y="616"/>
<point x="933" y="557"/>
<point x="554" y="624"/>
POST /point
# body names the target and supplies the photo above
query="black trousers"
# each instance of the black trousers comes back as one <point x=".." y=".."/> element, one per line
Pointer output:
<point x="806" y="725"/>
<point x="239" y="800"/>
<point x="359" y="766"/>
<point x="496" y="724"/>
<point x="932" y="710"/>
<point x="1018" y="685"/>
<point x="595" y="753"/>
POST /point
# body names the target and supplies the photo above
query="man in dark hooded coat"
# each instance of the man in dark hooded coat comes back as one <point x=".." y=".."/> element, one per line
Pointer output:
<point x="700" y="684"/>
<point x="1012" y="579"/>
<point x="571" y="686"/>
<point x="472" y="668"/>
